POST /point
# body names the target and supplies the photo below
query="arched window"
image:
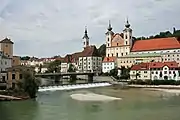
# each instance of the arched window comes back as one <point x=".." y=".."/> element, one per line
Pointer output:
<point x="126" y="37"/>
<point x="108" y="39"/>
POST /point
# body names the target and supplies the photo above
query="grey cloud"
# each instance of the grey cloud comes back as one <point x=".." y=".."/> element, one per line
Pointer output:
<point x="56" y="27"/>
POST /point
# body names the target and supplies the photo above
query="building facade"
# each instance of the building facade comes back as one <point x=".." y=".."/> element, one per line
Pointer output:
<point x="15" y="74"/>
<point x="155" y="71"/>
<point x="108" y="64"/>
<point x="90" y="60"/>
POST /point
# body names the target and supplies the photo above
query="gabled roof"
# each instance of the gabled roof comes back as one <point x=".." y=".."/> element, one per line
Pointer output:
<point x="141" y="66"/>
<point x="90" y="51"/>
<point x="147" y="66"/>
<point x="172" y="64"/>
<point x="6" y="40"/>
<point x="109" y="59"/>
<point x="156" y="44"/>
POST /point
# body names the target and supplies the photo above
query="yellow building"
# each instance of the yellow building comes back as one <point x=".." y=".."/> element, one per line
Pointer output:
<point x="16" y="61"/>
<point x="7" y="47"/>
<point x="132" y="59"/>
<point x="15" y="73"/>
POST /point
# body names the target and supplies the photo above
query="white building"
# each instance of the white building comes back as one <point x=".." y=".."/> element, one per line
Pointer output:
<point x="5" y="63"/>
<point x="108" y="64"/>
<point x="155" y="71"/>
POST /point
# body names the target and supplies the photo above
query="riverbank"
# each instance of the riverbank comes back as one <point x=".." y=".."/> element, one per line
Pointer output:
<point x="156" y="86"/>
<point x="11" y="96"/>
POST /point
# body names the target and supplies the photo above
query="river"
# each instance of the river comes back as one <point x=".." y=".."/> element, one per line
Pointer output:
<point x="136" y="104"/>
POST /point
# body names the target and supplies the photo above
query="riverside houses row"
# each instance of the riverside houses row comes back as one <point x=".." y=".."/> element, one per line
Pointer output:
<point x="155" y="71"/>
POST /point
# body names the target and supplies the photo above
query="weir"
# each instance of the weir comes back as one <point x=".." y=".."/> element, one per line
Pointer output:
<point x="71" y="87"/>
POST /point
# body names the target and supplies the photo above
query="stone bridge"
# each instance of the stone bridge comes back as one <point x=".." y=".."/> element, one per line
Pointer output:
<point x="57" y="76"/>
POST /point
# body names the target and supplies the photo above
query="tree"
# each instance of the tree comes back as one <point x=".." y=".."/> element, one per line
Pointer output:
<point x="40" y="68"/>
<point x="71" y="68"/>
<point x="102" y="50"/>
<point x="54" y="66"/>
<point x="29" y="84"/>
<point x="114" y="72"/>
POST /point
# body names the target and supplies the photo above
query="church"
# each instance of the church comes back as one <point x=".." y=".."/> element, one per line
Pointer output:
<point x="129" y="51"/>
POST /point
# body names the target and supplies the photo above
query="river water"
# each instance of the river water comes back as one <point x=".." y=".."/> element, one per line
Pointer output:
<point x="136" y="104"/>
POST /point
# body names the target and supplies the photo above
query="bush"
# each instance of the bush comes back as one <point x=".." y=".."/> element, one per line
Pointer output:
<point x="29" y="84"/>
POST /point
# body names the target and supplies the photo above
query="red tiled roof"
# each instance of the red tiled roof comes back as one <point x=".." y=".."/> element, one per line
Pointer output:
<point x="90" y="51"/>
<point x="156" y="44"/>
<point x="141" y="66"/>
<point x="172" y="64"/>
<point x="147" y="66"/>
<point x="109" y="59"/>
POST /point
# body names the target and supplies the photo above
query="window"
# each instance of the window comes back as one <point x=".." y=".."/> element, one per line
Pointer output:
<point x="117" y="44"/>
<point x="126" y="42"/>
<point x="20" y="76"/>
<point x="108" y="44"/>
<point x="165" y="72"/>
<point x="126" y="53"/>
<point x="126" y="37"/>
<point x="6" y="45"/>
<point x="13" y="76"/>
<point x="84" y="43"/>
<point x="116" y="54"/>
<point x="145" y="71"/>
<point x="108" y="39"/>
<point x="108" y="55"/>
<point x="121" y="54"/>
<point x="169" y="72"/>
<point x="152" y="72"/>
<point x="112" y="54"/>
<point x="156" y="72"/>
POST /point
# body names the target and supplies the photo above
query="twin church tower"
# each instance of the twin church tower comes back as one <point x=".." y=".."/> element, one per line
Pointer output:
<point x="117" y="44"/>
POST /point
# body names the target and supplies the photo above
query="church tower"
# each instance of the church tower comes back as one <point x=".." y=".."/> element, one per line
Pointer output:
<point x="127" y="34"/>
<point x="85" y="39"/>
<point x="109" y="35"/>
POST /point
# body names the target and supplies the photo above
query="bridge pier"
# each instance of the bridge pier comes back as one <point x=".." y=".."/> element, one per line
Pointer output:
<point x="90" y="78"/>
<point x="73" y="79"/>
<point x="57" y="79"/>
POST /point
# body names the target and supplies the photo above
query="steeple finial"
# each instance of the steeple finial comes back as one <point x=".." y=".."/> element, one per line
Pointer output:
<point x="85" y="30"/>
<point x="85" y="33"/>
<point x="127" y="25"/>
<point x="109" y="27"/>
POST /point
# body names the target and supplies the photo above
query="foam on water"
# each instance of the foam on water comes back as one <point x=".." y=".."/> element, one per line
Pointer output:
<point x="70" y="87"/>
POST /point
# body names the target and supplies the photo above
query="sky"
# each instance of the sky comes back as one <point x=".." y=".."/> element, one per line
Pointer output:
<point x="45" y="28"/>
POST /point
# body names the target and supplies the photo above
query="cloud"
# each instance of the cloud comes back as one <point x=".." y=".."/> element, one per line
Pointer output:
<point x="51" y="27"/>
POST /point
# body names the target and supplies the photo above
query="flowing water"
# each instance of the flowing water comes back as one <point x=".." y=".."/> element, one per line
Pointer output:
<point x="136" y="104"/>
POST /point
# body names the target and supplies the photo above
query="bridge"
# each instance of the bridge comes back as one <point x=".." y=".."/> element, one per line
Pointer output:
<point x="57" y="76"/>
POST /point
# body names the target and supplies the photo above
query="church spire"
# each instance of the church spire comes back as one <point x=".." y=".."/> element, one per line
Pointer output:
<point x="127" y="25"/>
<point x="85" y="33"/>
<point x="109" y="27"/>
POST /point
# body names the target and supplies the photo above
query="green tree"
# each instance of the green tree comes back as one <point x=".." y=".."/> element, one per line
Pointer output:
<point x="54" y="66"/>
<point x="29" y="84"/>
<point x="71" y="68"/>
<point x="102" y="50"/>
<point x="40" y="68"/>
